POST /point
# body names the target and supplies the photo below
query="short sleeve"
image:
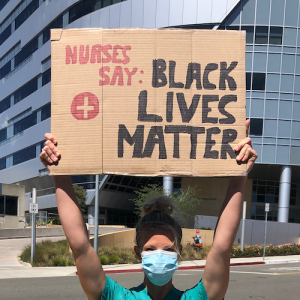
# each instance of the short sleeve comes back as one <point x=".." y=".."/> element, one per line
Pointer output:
<point x="197" y="292"/>
<point x="114" y="291"/>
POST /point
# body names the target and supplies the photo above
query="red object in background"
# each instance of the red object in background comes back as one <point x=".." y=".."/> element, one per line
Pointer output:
<point x="198" y="231"/>
<point x="85" y="106"/>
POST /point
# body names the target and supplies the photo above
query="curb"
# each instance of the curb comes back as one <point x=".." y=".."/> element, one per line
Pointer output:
<point x="184" y="268"/>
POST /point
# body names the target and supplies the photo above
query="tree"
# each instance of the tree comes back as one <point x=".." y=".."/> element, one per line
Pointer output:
<point x="81" y="195"/>
<point x="185" y="200"/>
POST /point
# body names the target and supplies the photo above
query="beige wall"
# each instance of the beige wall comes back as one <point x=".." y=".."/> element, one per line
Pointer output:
<point x="125" y="239"/>
<point x="14" y="221"/>
<point x="212" y="191"/>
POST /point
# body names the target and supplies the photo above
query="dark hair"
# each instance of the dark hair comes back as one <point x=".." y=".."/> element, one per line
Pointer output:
<point x="158" y="213"/>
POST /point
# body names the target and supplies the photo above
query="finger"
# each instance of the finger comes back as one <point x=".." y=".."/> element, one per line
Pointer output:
<point x="242" y="143"/>
<point x="50" y="137"/>
<point x="247" y="153"/>
<point x="242" y="152"/>
<point x="45" y="159"/>
<point x="50" y="154"/>
<point x="247" y="127"/>
<point x="52" y="148"/>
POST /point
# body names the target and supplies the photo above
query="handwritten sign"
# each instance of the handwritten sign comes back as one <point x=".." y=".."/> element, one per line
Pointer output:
<point x="148" y="102"/>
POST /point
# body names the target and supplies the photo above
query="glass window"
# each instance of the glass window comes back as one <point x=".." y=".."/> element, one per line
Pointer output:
<point x="297" y="64"/>
<point x="271" y="108"/>
<point x="296" y="110"/>
<point x="4" y="104"/>
<point x="289" y="37"/>
<point x="249" y="62"/>
<point x="287" y="83"/>
<point x="1" y="205"/>
<point x="3" y="134"/>
<point x="291" y="12"/>
<point x="275" y="36"/>
<point x="288" y="63"/>
<point x="11" y="205"/>
<point x="24" y="155"/>
<point x="85" y="7"/>
<point x="284" y="128"/>
<point x="46" y="77"/>
<point x="258" y="81"/>
<point x="270" y="127"/>
<point x="26" y="13"/>
<point x="5" y="34"/>
<point x="285" y="109"/>
<point x="269" y="153"/>
<point x="274" y="62"/>
<point x="295" y="155"/>
<point x="5" y="69"/>
<point x="257" y="108"/>
<point x="296" y="130"/>
<point x="277" y="11"/>
<point x="297" y="85"/>
<point x="261" y="35"/>
<point x="248" y="81"/>
<point x="248" y="12"/>
<point x="2" y="4"/>
<point x="58" y="23"/>
<point x="26" y="51"/>
<point x="26" y="90"/>
<point x="256" y="126"/>
<point x="263" y="12"/>
<point x="260" y="62"/>
<point x="249" y="34"/>
<point x="273" y="82"/>
<point x="25" y="123"/>
<point x="46" y="112"/>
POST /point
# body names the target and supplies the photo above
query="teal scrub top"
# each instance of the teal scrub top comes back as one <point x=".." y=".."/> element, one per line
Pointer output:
<point x="113" y="290"/>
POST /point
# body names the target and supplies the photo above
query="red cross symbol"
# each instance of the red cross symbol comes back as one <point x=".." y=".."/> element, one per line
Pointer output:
<point x="85" y="106"/>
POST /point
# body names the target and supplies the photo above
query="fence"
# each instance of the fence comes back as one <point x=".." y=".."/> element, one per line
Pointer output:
<point x="277" y="233"/>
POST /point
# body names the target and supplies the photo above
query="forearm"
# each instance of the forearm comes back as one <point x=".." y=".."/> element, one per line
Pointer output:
<point x="70" y="214"/>
<point x="230" y="215"/>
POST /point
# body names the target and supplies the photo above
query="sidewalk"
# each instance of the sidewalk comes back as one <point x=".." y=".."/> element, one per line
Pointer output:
<point x="24" y="271"/>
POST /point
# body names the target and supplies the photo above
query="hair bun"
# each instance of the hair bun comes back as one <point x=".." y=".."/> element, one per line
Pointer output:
<point x="161" y="203"/>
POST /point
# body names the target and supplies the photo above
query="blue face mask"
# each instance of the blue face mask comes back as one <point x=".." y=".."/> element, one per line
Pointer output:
<point x="159" y="266"/>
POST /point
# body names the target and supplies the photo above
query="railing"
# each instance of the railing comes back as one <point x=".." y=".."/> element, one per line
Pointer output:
<point x="15" y="137"/>
<point x="17" y="68"/>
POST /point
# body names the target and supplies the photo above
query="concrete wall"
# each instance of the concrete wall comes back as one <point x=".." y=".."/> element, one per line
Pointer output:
<point x="14" y="221"/>
<point x="125" y="239"/>
<point x="277" y="233"/>
<point x="212" y="192"/>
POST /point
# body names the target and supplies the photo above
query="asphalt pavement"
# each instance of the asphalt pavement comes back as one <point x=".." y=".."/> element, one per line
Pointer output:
<point x="272" y="282"/>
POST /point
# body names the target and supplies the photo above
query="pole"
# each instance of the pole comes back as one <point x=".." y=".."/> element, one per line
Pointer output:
<point x="168" y="185"/>
<point x="33" y="227"/>
<point x="96" y="221"/>
<point x="266" y="223"/>
<point x="243" y="225"/>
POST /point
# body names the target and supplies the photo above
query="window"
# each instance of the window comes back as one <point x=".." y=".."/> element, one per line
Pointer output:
<point x="259" y="81"/>
<point x="11" y="205"/>
<point x="249" y="34"/>
<point x="58" y="23"/>
<point x="26" y="90"/>
<point x="46" y="112"/>
<point x="3" y="3"/>
<point x="1" y="205"/>
<point x="25" y="123"/>
<point x="256" y="127"/>
<point x="3" y="134"/>
<point x="26" y="13"/>
<point x="4" y="105"/>
<point x="276" y="35"/>
<point x="46" y="77"/>
<point x="261" y="35"/>
<point x="5" y="69"/>
<point x="5" y="34"/>
<point x="24" y="155"/>
<point x="2" y="163"/>
<point x="85" y="7"/>
<point x="26" y="51"/>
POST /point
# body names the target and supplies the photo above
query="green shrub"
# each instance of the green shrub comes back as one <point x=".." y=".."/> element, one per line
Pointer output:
<point x="104" y="259"/>
<point x="114" y="259"/>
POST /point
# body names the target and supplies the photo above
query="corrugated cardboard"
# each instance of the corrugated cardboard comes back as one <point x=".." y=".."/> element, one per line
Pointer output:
<point x="120" y="95"/>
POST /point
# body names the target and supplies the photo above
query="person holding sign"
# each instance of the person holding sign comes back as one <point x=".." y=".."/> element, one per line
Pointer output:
<point x="158" y="239"/>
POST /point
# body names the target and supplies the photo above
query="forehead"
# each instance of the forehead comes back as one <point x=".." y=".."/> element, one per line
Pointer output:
<point x="157" y="237"/>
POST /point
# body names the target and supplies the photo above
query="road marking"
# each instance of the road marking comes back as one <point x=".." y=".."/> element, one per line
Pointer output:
<point x="257" y="273"/>
<point x="288" y="273"/>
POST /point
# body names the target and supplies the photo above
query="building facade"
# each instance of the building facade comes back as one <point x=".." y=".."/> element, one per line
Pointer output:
<point x="272" y="79"/>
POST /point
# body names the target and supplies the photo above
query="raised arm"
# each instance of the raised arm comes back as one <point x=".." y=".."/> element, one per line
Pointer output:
<point x="90" y="272"/>
<point x="216" y="274"/>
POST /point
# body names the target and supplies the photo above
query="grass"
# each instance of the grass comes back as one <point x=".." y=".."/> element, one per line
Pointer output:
<point x="49" y="254"/>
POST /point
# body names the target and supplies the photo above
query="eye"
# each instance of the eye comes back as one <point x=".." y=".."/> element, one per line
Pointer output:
<point x="149" y="249"/>
<point x="170" y="249"/>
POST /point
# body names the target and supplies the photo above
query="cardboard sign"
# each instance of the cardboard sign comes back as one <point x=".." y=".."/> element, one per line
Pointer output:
<point x="148" y="102"/>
